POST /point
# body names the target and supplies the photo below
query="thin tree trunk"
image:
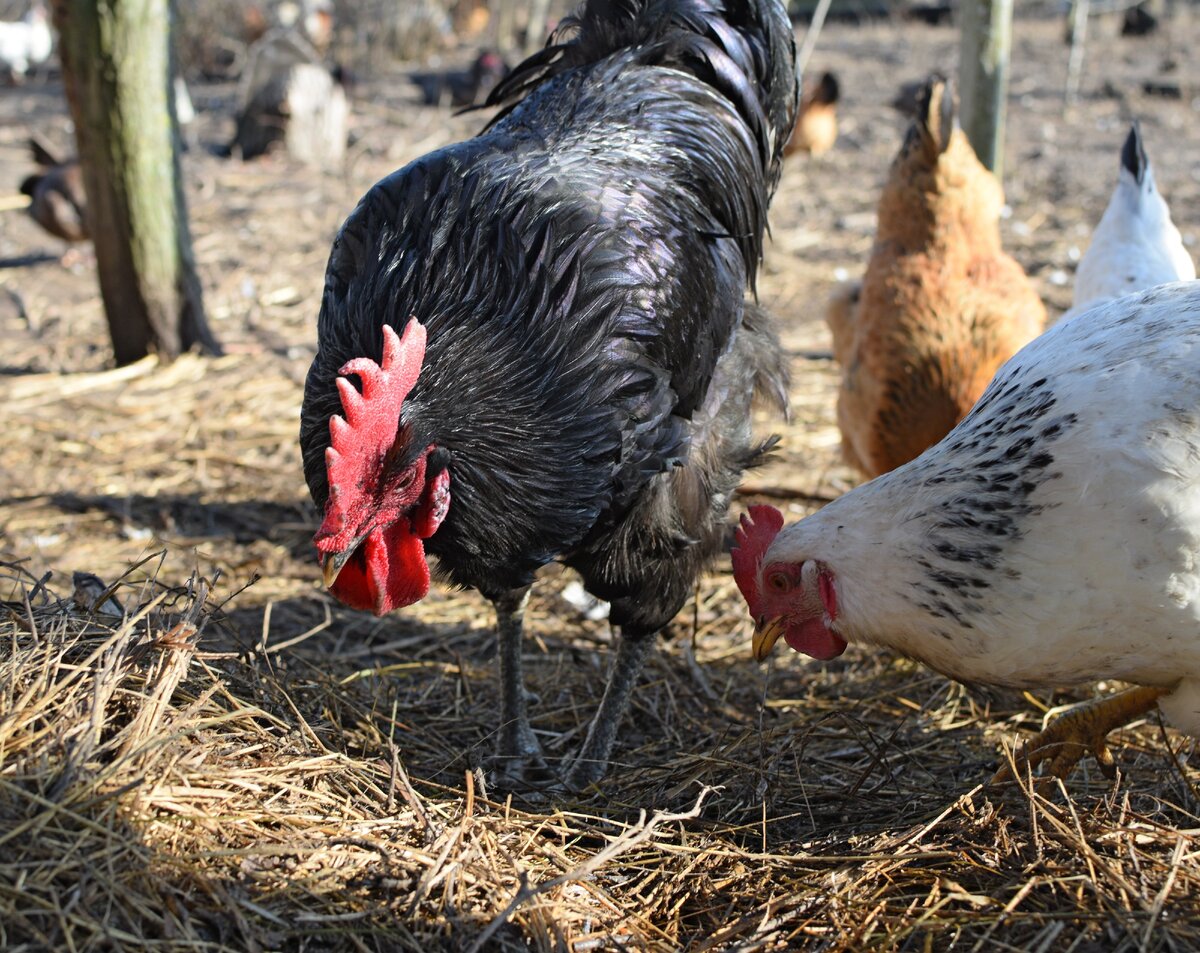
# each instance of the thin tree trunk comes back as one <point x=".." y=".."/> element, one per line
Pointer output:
<point x="504" y="20"/>
<point x="1079" y="23"/>
<point x="535" y="32"/>
<point x="811" y="35"/>
<point x="983" y="77"/>
<point x="117" y="70"/>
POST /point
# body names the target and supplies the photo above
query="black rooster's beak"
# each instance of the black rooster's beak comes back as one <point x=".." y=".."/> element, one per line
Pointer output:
<point x="333" y="563"/>
<point x="766" y="634"/>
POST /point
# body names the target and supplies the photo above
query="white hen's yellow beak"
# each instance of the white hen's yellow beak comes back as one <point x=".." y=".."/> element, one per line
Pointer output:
<point x="766" y="634"/>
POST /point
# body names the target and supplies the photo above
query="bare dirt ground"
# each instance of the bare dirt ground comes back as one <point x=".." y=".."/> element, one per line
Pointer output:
<point x="300" y="776"/>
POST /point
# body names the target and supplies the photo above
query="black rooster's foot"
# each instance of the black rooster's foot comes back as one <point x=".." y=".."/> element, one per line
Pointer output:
<point x="519" y="773"/>
<point x="518" y="764"/>
<point x="581" y="775"/>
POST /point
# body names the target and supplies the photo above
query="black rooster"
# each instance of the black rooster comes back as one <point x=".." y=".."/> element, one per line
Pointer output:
<point x="577" y="361"/>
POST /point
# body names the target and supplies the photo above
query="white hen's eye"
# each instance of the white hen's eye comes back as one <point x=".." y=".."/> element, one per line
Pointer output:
<point x="779" y="582"/>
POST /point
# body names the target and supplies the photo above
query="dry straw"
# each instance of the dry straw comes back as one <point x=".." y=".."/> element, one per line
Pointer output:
<point x="167" y="782"/>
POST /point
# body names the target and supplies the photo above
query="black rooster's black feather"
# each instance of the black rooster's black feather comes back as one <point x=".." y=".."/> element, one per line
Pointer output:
<point x="581" y="268"/>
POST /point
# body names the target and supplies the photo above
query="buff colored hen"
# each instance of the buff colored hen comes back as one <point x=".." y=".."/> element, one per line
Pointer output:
<point x="941" y="306"/>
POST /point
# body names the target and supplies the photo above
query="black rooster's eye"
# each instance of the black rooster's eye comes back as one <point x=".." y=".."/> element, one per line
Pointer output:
<point x="400" y="483"/>
<point x="779" y="582"/>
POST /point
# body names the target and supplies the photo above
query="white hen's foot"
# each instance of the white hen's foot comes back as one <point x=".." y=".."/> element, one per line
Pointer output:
<point x="1082" y="729"/>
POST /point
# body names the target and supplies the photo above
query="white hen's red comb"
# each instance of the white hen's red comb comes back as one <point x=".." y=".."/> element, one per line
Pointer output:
<point x="753" y="538"/>
<point x="360" y="439"/>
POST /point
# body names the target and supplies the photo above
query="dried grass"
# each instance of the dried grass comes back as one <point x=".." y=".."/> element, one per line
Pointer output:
<point x="236" y="763"/>
<point x="163" y="786"/>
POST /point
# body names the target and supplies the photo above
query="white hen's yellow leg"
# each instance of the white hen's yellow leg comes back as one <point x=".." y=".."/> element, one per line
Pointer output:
<point x="1082" y="729"/>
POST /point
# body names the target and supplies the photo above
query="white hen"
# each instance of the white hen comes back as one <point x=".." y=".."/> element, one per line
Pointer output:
<point x="26" y="43"/>
<point x="1052" y="537"/>
<point x="1136" y="245"/>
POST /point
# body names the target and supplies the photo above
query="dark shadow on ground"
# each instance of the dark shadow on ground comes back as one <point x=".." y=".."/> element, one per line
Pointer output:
<point x="186" y="515"/>
<point x="27" y="261"/>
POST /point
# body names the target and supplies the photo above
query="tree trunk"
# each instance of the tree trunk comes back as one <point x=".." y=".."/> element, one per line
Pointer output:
<point x="1078" y="29"/>
<point x="983" y="77"/>
<point x="535" y="31"/>
<point x="811" y="35"/>
<point x="116" y="64"/>
<point x="504" y="20"/>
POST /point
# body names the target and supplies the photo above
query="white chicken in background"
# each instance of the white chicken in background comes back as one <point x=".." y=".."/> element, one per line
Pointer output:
<point x="26" y="43"/>
<point x="1136" y="245"/>
<point x="185" y="112"/>
<point x="1051" y="538"/>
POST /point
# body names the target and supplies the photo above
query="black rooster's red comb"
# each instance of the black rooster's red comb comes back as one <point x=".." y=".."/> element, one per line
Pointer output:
<point x="360" y="439"/>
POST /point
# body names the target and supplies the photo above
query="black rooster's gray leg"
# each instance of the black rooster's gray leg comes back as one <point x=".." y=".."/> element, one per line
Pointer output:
<point x="518" y="759"/>
<point x="592" y="761"/>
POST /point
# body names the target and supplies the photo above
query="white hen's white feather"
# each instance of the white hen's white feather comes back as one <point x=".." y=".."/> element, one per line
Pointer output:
<point x="1053" y="537"/>
<point x="1135" y="246"/>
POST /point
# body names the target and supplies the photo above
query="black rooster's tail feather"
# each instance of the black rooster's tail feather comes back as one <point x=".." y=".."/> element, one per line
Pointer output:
<point x="744" y="49"/>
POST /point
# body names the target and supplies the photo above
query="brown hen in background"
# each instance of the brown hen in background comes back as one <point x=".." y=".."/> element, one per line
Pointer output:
<point x="941" y="306"/>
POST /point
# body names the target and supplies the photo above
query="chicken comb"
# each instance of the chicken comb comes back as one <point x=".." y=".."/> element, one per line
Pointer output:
<point x="753" y="538"/>
<point x="366" y="430"/>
